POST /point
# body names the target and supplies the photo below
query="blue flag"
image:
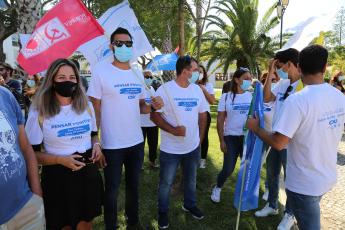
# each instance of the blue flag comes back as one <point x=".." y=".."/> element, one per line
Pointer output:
<point x="251" y="161"/>
<point x="163" y="62"/>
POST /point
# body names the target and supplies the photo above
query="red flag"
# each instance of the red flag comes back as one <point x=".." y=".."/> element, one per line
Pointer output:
<point x="58" y="34"/>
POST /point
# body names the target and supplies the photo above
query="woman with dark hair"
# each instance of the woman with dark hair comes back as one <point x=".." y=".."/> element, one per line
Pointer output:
<point x="207" y="89"/>
<point x="338" y="80"/>
<point x="64" y="121"/>
<point x="233" y="109"/>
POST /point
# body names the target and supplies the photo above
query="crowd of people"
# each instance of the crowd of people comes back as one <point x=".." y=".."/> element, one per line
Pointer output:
<point x="74" y="129"/>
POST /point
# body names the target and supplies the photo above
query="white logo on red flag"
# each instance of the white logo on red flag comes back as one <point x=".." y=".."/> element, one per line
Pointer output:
<point x="44" y="37"/>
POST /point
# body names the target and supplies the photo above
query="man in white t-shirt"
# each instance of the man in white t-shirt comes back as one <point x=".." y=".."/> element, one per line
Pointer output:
<point x="285" y="65"/>
<point x="117" y="94"/>
<point x="182" y="122"/>
<point x="310" y="124"/>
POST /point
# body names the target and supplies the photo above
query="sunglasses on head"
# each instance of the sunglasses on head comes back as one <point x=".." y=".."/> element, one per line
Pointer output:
<point x="244" y="69"/>
<point x="119" y="43"/>
<point x="287" y="92"/>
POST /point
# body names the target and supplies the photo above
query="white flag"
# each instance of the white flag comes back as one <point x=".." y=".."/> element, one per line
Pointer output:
<point x="121" y="15"/>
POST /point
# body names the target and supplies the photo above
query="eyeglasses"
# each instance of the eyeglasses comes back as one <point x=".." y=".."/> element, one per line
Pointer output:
<point x="287" y="92"/>
<point x="148" y="77"/>
<point x="119" y="43"/>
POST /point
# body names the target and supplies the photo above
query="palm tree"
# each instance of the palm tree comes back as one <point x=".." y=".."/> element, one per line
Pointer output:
<point x="244" y="40"/>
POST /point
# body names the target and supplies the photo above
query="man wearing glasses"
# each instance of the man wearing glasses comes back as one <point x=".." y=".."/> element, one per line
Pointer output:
<point x="182" y="122"/>
<point x="118" y="96"/>
<point x="285" y="65"/>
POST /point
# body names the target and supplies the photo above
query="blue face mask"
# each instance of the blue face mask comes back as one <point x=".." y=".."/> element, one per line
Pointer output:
<point x="246" y="84"/>
<point x="273" y="85"/>
<point x="195" y="77"/>
<point x="31" y="83"/>
<point x="282" y="74"/>
<point x="148" y="81"/>
<point x="123" y="53"/>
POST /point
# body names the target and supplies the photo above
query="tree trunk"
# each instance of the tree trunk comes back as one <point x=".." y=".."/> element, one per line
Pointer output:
<point x="181" y="22"/>
<point x="29" y="12"/>
<point x="2" y="54"/>
<point x="198" y="27"/>
<point x="167" y="48"/>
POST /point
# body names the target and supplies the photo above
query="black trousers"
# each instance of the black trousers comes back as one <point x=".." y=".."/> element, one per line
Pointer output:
<point x="204" y="144"/>
<point x="152" y="139"/>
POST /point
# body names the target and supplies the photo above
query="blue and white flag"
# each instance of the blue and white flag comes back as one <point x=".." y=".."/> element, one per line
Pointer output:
<point x="121" y="15"/>
<point x="163" y="62"/>
<point x="251" y="161"/>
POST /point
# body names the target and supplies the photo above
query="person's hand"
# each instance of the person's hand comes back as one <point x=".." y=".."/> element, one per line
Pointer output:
<point x="223" y="146"/>
<point x="2" y="80"/>
<point x="71" y="162"/>
<point x="157" y="102"/>
<point x="97" y="156"/>
<point x="253" y="124"/>
<point x="179" y="131"/>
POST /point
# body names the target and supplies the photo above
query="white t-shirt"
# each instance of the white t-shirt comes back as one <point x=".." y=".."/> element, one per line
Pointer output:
<point x="187" y="103"/>
<point x="279" y="91"/>
<point x="119" y="92"/>
<point x="145" y="118"/>
<point x="268" y="115"/>
<point x="209" y="88"/>
<point x="63" y="134"/>
<point x="314" y="121"/>
<point x="236" y="112"/>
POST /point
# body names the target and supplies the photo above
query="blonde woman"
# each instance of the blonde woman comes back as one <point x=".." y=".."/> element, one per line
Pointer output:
<point x="62" y="119"/>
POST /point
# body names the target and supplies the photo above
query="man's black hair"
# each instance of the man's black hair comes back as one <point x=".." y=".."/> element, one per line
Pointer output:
<point x="290" y="54"/>
<point x="119" y="30"/>
<point x="313" y="59"/>
<point x="184" y="62"/>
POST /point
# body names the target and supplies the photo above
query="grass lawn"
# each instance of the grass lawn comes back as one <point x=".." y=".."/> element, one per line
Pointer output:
<point x="217" y="216"/>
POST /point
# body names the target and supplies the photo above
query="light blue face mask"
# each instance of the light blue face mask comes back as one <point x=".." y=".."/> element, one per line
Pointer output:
<point x="148" y="81"/>
<point x="123" y="53"/>
<point x="31" y="83"/>
<point x="282" y="74"/>
<point x="246" y="84"/>
<point x="195" y="77"/>
<point x="273" y="85"/>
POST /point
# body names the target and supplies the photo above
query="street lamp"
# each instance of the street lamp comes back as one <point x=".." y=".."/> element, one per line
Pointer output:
<point x="281" y="7"/>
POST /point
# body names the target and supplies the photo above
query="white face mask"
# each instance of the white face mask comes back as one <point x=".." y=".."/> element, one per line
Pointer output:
<point x="341" y="78"/>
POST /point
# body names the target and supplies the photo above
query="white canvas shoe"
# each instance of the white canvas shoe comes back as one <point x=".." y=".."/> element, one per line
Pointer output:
<point x="266" y="211"/>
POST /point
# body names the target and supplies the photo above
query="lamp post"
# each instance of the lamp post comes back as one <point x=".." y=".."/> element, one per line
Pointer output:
<point x="281" y="7"/>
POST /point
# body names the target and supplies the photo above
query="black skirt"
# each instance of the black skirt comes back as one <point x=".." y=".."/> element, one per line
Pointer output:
<point x="71" y="196"/>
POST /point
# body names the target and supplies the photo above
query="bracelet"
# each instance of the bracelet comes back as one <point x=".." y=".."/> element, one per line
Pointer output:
<point x="97" y="143"/>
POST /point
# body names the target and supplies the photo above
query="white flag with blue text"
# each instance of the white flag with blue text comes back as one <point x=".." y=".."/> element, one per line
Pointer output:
<point x="121" y="15"/>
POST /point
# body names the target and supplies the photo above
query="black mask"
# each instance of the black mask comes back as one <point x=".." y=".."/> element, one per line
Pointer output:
<point x="65" y="88"/>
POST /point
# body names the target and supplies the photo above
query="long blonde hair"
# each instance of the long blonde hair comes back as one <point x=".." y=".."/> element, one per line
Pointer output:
<point x="45" y="100"/>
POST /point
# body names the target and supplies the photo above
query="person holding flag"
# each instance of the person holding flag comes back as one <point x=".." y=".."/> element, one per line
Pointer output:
<point x="233" y="109"/>
<point x="182" y="122"/>
<point x="310" y="125"/>
<point x="285" y="65"/>
<point x="118" y="95"/>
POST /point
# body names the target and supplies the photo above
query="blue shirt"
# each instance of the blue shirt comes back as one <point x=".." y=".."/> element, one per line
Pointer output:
<point x="14" y="187"/>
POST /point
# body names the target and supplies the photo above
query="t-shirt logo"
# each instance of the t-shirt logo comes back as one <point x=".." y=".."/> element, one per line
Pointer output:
<point x="73" y="130"/>
<point x="130" y="89"/>
<point x="10" y="161"/>
<point x="187" y="103"/>
<point x="243" y="108"/>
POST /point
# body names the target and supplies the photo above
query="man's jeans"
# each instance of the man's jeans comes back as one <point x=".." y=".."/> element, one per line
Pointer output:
<point x="306" y="210"/>
<point x="132" y="159"/>
<point x="274" y="162"/>
<point x="168" y="167"/>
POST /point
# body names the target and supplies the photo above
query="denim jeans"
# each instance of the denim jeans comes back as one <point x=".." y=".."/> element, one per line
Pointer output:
<point x="234" y="146"/>
<point x="306" y="210"/>
<point x="274" y="162"/>
<point x="168" y="167"/>
<point x="132" y="159"/>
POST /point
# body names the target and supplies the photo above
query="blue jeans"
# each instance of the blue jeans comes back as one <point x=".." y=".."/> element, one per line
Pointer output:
<point x="234" y="147"/>
<point x="274" y="162"/>
<point x="132" y="159"/>
<point x="306" y="210"/>
<point x="168" y="167"/>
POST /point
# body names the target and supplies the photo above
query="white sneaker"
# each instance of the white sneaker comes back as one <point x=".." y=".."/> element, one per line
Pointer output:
<point x="265" y="195"/>
<point x="266" y="211"/>
<point x="202" y="163"/>
<point x="287" y="222"/>
<point x="215" y="196"/>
